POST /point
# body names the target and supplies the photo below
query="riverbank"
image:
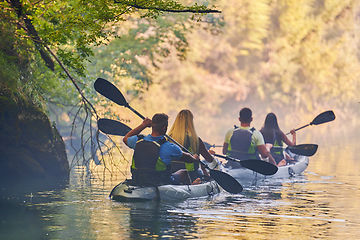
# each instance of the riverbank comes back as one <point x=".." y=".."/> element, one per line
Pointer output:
<point x="31" y="148"/>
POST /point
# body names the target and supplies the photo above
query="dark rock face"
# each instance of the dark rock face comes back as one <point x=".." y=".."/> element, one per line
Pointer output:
<point x="31" y="149"/>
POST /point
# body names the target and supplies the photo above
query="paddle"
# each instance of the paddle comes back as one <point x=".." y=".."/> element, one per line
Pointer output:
<point x="208" y="145"/>
<point x="259" y="166"/>
<point x="301" y="149"/>
<point x="262" y="167"/>
<point x="113" y="127"/>
<point x="324" y="117"/>
<point x="108" y="90"/>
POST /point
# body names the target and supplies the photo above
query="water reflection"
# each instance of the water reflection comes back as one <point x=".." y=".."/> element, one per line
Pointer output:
<point x="321" y="204"/>
<point x="288" y="213"/>
<point x="152" y="220"/>
<point x="305" y="207"/>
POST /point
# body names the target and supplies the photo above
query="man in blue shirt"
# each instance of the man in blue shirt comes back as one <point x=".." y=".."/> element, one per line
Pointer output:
<point x="153" y="154"/>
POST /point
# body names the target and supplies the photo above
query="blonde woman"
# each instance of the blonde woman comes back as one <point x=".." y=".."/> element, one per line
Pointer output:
<point x="183" y="131"/>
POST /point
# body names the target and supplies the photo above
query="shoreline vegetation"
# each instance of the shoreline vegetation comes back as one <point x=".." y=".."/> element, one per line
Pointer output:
<point x="296" y="59"/>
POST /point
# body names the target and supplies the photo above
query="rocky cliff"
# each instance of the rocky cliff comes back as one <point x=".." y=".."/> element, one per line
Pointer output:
<point x="31" y="149"/>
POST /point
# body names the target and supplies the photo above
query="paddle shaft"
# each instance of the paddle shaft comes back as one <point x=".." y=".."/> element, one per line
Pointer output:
<point x="227" y="158"/>
<point x="136" y="112"/>
<point x="300" y="128"/>
<point x="214" y="146"/>
<point x="324" y="117"/>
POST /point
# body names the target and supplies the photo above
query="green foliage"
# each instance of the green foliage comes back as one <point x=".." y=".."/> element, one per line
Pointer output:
<point x="15" y="58"/>
<point x="301" y="54"/>
<point x="139" y="49"/>
<point x="66" y="32"/>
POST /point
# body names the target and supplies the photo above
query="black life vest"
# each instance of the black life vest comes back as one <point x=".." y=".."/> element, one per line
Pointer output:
<point x="241" y="147"/>
<point x="147" y="168"/>
<point x="276" y="140"/>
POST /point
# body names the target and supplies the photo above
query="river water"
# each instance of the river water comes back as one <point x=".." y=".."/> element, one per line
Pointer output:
<point x="321" y="204"/>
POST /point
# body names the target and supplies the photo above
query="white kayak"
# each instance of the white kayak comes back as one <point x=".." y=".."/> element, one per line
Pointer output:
<point x="126" y="192"/>
<point x="286" y="171"/>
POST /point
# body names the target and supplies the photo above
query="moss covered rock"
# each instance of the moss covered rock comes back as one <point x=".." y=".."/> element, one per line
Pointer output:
<point x="31" y="149"/>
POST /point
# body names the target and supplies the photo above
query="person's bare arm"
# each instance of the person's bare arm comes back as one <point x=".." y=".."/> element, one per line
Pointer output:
<point x="146" y="123"/>
<point x="265" y="153"/>
<point x="225" y="147"/>
<point x="287" y="141"/>
<point x="188" y="158"/>
<point x="206" y="173"/>
<point x="204" y="152"/>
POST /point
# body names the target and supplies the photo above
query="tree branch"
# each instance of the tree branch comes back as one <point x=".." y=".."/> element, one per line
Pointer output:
<point x="170" y="10"/>
<point x="85" y="100"/>
<point x="17" y="6"/>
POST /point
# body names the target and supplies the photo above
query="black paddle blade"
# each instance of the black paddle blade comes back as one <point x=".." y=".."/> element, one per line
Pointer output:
<point x="324" y="117"/>
<point x="227" y="182"/>
<point x="107" y="89"/>
<point x="304" y="149"/>
<point x="259" y="166"/>
<point x="113" y="127"/>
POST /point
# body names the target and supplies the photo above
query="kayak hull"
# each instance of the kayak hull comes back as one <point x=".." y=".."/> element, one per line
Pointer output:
<point x="283" y="172"/>
<point x="124" y="192"/>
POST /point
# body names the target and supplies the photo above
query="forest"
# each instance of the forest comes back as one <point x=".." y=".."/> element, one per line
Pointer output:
<point x="294" y="58"/>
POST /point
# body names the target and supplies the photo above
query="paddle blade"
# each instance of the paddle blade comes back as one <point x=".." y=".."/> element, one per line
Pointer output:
<point x="259" y="166"/>
<point x="227" y="182"/>
<point x="304" y="149"/>
<point x="207" y="145"/>
<point x="108" y="90"/>
<point x="113" y="127"/>
<point x="324" y="117"/>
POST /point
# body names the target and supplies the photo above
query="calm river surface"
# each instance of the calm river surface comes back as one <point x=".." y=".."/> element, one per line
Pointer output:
<point x="322" y="204"/>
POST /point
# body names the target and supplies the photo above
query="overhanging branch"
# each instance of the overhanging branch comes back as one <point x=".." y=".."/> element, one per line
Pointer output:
<point x="171" y="10"/>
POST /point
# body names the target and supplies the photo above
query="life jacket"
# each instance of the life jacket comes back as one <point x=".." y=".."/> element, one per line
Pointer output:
<point x="147" y="168"/>
<point x="241" y="147"/>
<point x="277" y="154"/>
<point x="193" y="168"/>
<point x="181" y="165"/>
